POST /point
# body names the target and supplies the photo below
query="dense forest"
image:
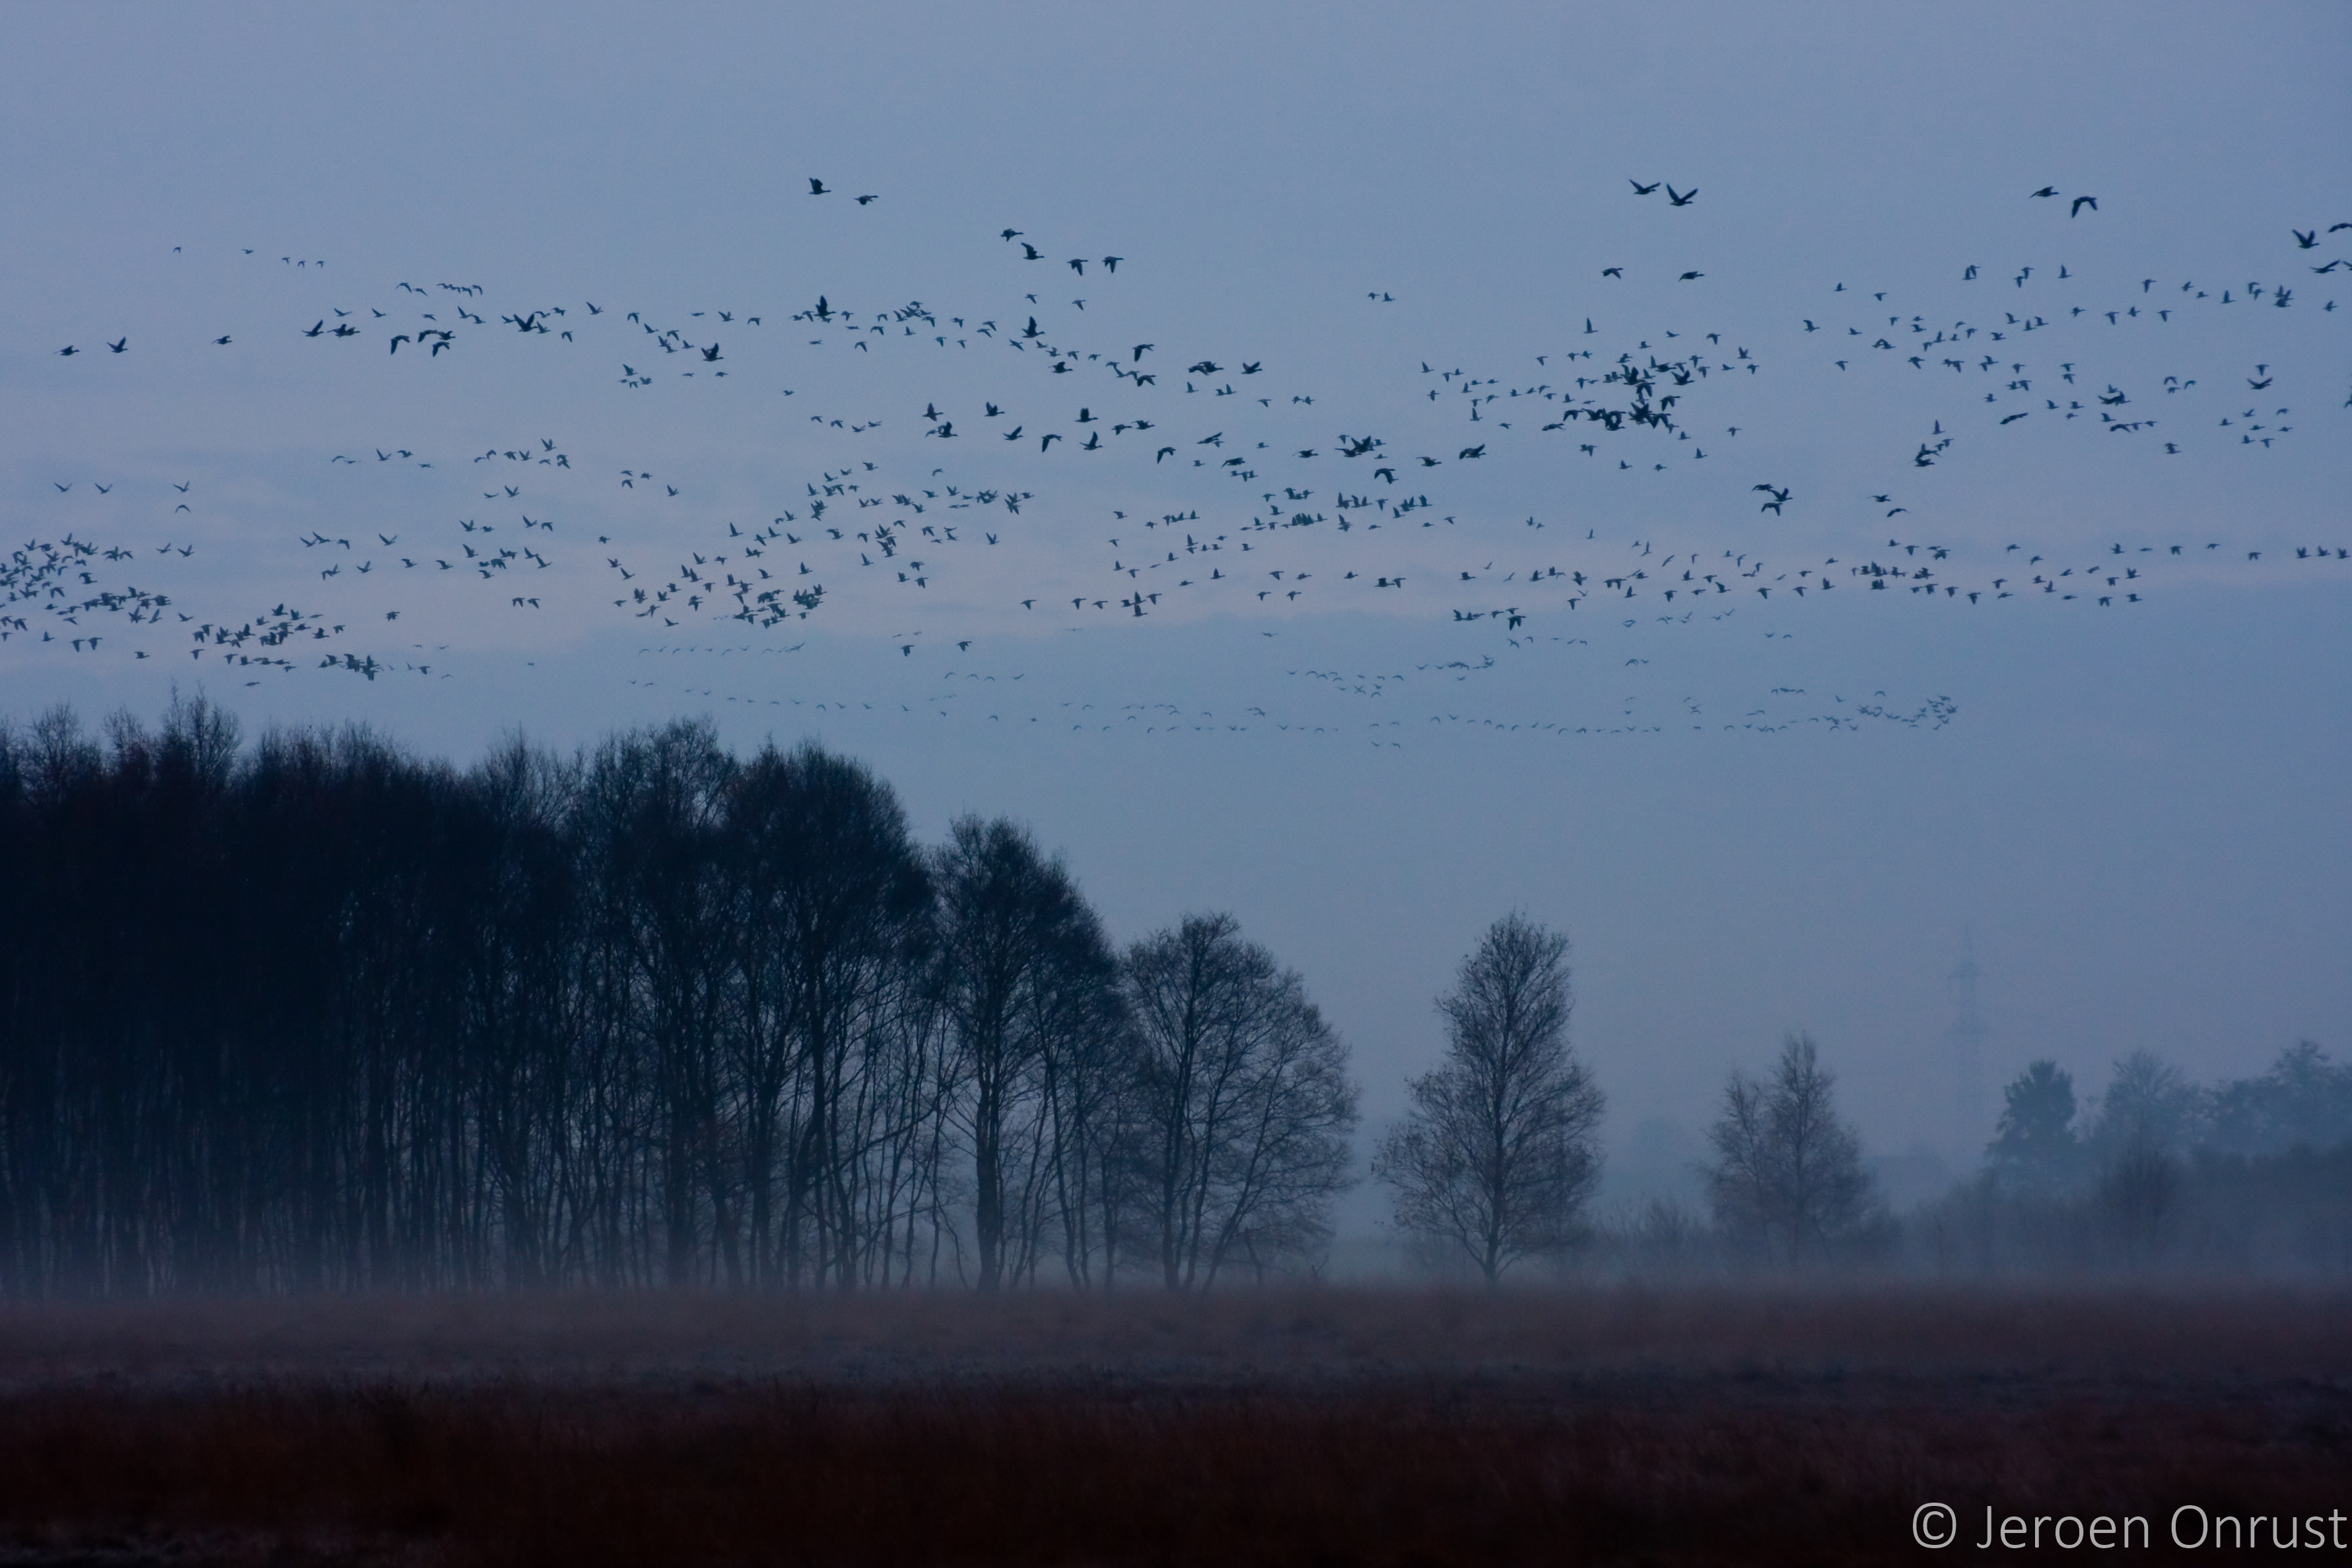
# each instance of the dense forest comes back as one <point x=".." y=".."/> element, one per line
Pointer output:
<point x="318" y="1014"/>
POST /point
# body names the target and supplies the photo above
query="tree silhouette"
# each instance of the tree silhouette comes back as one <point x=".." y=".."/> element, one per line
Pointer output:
<point x="837" y="887"/>
<point x="1497" y="1155"/>
<point x="318" y="1014"/>
<point x="1247" y="1106"/>
<point x="2304" y="1100"/>
<point x="1023" y="966"/>
<point x="2034" y="1150"/>
<point x="1788" y="1173"/>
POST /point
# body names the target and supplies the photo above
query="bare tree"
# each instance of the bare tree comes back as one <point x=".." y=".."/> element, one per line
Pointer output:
<point x="1788" y="1173"/>
<point x="1023" y="960"/>
<point x="840" y="897"/>
<point x="1095" y="1121"/>
<point x="1497" y="1155"/>
<point x="1247" y="1101"/>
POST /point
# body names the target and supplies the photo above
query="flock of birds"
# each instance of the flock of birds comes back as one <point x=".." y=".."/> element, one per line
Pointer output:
<point x="1244" y="493"/>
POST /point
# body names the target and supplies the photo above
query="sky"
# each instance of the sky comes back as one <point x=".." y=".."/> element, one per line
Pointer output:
<point x="1367" y="703"/>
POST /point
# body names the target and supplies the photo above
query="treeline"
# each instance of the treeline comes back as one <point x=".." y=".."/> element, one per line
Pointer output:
<point x="2159" y="1174"/>
<point x="320" y="1014"/>
<point x="2154" y="1175"/>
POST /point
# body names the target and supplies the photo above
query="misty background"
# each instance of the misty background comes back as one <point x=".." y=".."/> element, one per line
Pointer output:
<point x="2131" y="818"/>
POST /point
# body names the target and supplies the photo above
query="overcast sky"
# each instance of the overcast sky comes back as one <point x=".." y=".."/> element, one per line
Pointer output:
<point x="1753" y="810"/>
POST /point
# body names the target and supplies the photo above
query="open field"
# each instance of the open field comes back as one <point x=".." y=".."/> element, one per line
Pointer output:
<point x="1614" y="1426"/>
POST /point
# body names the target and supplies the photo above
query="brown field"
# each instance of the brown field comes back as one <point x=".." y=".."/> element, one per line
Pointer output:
<point x="1330" y="1426"/>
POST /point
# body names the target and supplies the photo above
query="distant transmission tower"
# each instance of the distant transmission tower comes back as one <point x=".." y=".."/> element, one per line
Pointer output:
<point x="1965" y="1038"/>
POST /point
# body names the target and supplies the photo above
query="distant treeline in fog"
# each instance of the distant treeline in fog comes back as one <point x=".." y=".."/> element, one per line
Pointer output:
<point x="2246" y="1174"/>
<point x="319" y="1014"/>
<point x="2155" y="1176"/>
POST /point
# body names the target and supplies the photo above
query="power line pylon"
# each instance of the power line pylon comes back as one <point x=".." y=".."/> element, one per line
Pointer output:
<point x="1966" y="1039"/>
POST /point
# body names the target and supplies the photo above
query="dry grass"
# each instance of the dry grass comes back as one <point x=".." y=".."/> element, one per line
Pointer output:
<point x="1605" y="1427"/>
